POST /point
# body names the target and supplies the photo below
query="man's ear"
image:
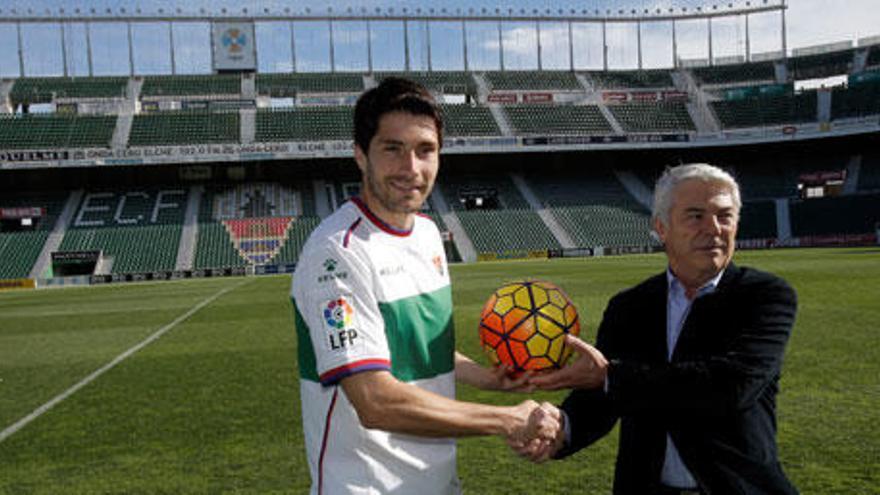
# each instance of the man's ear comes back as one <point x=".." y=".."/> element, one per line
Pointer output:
<point x="360" y="158"/>
<point x="660" y="230"/>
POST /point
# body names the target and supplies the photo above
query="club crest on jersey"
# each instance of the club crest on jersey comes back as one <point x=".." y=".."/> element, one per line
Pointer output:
<point x="339" y="317"/>
<point x="438" y="264"/>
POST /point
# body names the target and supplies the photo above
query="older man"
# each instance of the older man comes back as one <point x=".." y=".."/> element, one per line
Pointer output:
<point x="689" y="360"/>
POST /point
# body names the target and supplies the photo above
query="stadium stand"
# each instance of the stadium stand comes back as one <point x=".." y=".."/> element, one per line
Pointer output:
<point x="497" y="231"/>
<point x="191" y="85"/>
<point x="41" y="131"/>
<point x="140" y="229"/>
<point x="735" y="73"/>
<point x="856" y="101"/>
<point x="508" y="196"/>
<point x="857" y="214"/>
<point x="469" y="120"/>
<point x="821" y="65"/>
<point x="873" y="57"/>
<point x="305" y="123"/>
<point x="594" y="208"/>
<point x="446" y="82"/>
<point x="757" y="220"/>
<point x="290" y="85"/>
<point x="664" y="116"/>
<point x="19" y="249"/>
<point x="30" y="90"/>
<point x="655" y="78"/>
<point x="252" y="224"/>
<point x="557" y="119"/>
<point x="768" y="110"/>
<point x="533" y="80"/>
<point x="869" y="176"/>
<point x="297" y="236"/>
<point x="184" y="127"/>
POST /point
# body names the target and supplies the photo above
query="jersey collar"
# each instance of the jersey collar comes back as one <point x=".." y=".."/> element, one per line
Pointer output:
<point x="378" y="222"/>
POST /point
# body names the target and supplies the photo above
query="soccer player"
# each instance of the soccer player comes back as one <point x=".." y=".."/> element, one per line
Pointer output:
<point x="373" y="308"/>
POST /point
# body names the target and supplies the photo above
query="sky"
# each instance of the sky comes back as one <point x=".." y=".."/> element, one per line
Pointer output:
<point x="808" y="22"/>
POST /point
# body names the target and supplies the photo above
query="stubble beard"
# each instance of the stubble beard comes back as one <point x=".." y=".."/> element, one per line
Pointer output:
<point x="385" y="199"/>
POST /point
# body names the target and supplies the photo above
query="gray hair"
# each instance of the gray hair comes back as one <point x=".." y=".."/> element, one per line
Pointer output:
<point x="673" y="176"/>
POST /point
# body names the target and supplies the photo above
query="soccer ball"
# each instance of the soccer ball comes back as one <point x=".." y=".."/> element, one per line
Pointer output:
<point x="523" y="326"/>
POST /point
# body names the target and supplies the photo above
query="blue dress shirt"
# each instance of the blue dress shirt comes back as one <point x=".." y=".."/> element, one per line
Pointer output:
<point x="674" y="472"/>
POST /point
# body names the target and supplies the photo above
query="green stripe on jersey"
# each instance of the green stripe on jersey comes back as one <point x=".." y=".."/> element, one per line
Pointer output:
<point x="308" y="369"/>
<point x="420" y="335"/>
<point x="419" y="331"/>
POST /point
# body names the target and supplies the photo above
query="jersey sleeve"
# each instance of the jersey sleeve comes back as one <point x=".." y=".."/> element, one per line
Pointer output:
<point x="335" y="295"/>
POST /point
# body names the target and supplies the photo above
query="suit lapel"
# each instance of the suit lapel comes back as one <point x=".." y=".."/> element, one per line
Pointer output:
<point x="702" y="310"/>
<point x="655" y="318"/>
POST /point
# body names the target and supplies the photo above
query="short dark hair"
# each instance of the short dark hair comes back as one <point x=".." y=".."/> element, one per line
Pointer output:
<point x="393" y="94"/>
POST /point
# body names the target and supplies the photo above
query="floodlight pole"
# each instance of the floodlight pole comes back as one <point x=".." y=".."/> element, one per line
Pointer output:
<point x="171" y="47"/>
<point x="538" y="43"/>
<point x="292" y="48"/>
<point x="709" y="24"/>
<point x="570" y="48"/>
<point x="20" y="50"/>
<point x="604" y="45"/>
<point x="464" y="50"/>
<point x="674" y="47"/>
<point x="63" y="50"/>
<point x="748" y="45"/>
<point x="332" y="44"/>
<point x="500" y="47"/>
<point x="784" y="37"/>
<point x="639" y="41"/>
<point x="428" y="43"/>
<point x="130" y="50"/>
<point x="406" y="45"/>
<point x="369" y="48"/>
<point x="89" y="48"/>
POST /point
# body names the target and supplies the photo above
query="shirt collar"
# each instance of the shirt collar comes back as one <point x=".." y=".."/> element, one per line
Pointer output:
<point x="675" y="286"/>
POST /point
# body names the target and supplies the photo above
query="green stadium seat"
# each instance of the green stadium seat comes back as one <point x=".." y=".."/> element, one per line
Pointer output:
<point x="499" y="231"/>
<point x="654" y="78"/>
<point x="445" y="82"/>
<point x="821" y="65"/>
<point x="736" y="73"/>
<point x="191" y="85"/>
<point x="557" y="119"/>
<point x="857" y="214"/>
<point x="31" y="90"/>
<point x="768" y="110"/>
<point x="41" y="131"/>
<point x="305" y="124"/>
<point x="184" y="127"/>
<point x="661" y="116"/>
<point x="533" y="80"/>
<point x="290" y="85"/>
<point x="469" y="120"/>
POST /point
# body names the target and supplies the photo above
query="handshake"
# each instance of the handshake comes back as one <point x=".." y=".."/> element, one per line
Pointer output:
<point x="541" y="427"/>
<point x="541" y="435"/>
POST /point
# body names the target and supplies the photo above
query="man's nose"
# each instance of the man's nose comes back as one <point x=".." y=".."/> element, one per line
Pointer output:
<point x="713" y="225"/>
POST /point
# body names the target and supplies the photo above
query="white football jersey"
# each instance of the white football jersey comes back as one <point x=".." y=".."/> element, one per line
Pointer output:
<point x="370" y="297"/>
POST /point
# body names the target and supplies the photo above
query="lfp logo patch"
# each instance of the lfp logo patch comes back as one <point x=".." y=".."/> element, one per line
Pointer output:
<point x="338" y="314"/>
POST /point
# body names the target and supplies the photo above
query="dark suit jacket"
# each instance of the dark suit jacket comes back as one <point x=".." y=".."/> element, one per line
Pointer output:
<point x="716" y="398"/>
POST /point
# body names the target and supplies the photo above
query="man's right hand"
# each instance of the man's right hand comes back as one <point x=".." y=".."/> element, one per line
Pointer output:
<point x="544" y="434"/>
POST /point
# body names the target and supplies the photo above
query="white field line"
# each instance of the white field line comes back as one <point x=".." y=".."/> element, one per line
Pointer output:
<point x="6" y="433"/>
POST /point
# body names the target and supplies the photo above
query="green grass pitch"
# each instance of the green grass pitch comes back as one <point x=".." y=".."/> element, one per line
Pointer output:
<point x="212" y="405"/>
